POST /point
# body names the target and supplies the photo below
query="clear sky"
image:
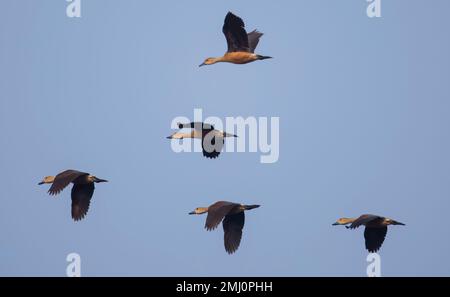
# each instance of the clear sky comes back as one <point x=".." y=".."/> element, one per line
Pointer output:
<point x="364" y="128"/>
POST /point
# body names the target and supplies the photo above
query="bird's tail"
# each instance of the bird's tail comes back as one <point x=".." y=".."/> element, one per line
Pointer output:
<point x="263" y="57"/>
<point x="248" y="207"/>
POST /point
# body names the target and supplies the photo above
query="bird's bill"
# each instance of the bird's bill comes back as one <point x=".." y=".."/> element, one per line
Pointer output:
<point x="335" y="224"/>
<point x="202" y="64"/>
<point x="175" y="135"/>
<point x="230" y="135"/>
<point x="397" y="223"/>
<point x="99" y="180"/>
<point x="41" y="183"/>
<point x="249" y="207"/>
<point x="192" y="213"/>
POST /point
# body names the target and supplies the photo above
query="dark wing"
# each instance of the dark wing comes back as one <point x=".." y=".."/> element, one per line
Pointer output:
<point x="253" y="39"/>
<point x="217" y="212"/>
<point x="374" y="238"/>
<point x="81" y="198"/>
<point x="196" y="125"/>
<point x="364" y="219"/>
<point x="234" y="31"/>
<point x="63" y="179"/>
<point x="232" y="227"/>
<point x="212" y="144"/>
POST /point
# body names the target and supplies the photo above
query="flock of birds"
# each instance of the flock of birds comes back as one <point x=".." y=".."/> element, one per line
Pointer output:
<point x="241" y="47"/>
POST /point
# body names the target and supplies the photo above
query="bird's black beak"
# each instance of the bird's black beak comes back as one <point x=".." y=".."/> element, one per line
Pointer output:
<point x="398" y="223"/>
<point x="99" y="180"/>
<point x="225" y="134"/>
<point x="169" y="137"/>
<point x="41" y="183"/>
<point x="202" y="64"/>
<point x="192" y="213"/>
<point x="335" y="224"/>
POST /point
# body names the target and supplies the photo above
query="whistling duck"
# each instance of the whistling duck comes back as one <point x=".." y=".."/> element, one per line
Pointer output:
<point x="375" y="231"/>
<point x="233" y="218"/>
<point x="212" y="139"/>
<point x="241" y="46"/>
<point x="82" y="190"/>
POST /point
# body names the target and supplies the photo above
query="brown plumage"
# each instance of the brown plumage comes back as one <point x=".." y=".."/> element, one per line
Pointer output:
<point x="232" y="217"/>
<point x="375" y="229"/>
<point x="241" y="46"/>
<point x="82" y="190"/>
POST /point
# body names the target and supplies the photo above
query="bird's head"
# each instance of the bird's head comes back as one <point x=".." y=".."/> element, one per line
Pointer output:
<point x="343" y="221"/>
<point x="208" y="61"/>
<point x="47" y="180"/>
<point x="393" y="222"/>
<point x="96" y="179"/>
<point x="199" y="210"/>
<point x="176" y="135"/>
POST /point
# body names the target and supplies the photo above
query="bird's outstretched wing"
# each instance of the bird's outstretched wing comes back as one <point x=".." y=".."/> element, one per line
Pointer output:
<point x="232" y="227"/>
<point x="364" y="219"/>
<point x="196" y="126"/>
<point x="63" y="179"/>
<point x="374" y="238"/>
<point x="217" y="212"/>
<point x="234" y="31"/>
<point x="253" y="39"/>
<point x="212" y="144"/>
<point x="81" y="199"/>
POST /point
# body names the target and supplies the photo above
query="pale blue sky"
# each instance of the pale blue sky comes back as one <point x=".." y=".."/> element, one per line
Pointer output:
<point x="364" y="118"/>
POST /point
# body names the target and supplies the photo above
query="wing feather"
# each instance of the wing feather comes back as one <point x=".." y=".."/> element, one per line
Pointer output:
<point x="235" y="34"/>
<point x="81" y="199"/>
<point x="232" y="227"/>
<point x="374" y="238"/>
<point x="217" y="212"/>
<point x="63" y="179"/>
<point x="363" y="220"/>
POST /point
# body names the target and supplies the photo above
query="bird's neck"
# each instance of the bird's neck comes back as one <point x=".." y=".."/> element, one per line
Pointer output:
<point x="202" y="210"/>
<point x="49" y="180"/>
<point x="219" y="59"/>
<point x="180" y="135"/>
<point x="347" y="221"/>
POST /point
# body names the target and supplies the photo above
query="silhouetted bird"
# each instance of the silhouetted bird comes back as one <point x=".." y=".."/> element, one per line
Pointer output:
<point x="82" y="190"/>
<point x="375" y="231"/>
<point x="233" y="218"/>
<point x="241" y="46"/>
<point x="212" y="140"/>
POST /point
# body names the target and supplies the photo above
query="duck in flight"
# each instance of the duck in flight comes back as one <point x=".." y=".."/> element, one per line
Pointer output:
<point x="375" y="231"/>
<point x="241" y="46"/>
<point x="232" y="217"/>
<point x="212" y="139"/>
<point x="82" y="190"/>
